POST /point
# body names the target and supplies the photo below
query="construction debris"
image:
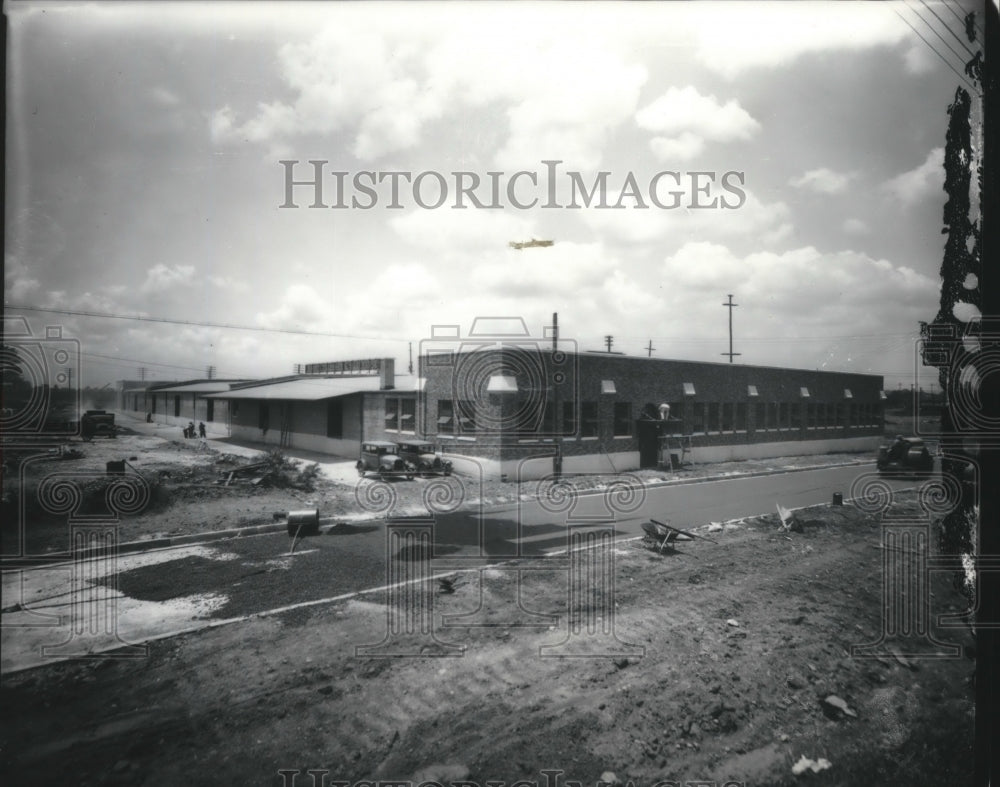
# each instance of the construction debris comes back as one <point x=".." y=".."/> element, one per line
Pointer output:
<point x="789" y="522"/>
<point x="238" y="474"/>
<point x="805" y="764"/>
<point x="663" y="534"/>
<point x="835" y="702"/>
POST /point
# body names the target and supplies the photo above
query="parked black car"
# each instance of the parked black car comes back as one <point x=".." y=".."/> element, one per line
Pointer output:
<point x="904" y="455"/>
<point x="423" y="456"/>
<point x="97" y="423"/>
<point x="382" y="457"/>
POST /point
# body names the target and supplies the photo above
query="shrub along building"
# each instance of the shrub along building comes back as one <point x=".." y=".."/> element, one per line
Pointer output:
<point x="326" y="407"/>
<point x="526" y="412"/>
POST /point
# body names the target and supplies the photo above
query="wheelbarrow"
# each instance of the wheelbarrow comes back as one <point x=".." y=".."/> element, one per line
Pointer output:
<point x="665" y="535"/>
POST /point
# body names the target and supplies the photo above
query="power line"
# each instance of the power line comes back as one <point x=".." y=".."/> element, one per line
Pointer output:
<point x="961" y="18"/>
<point x="929" y="44"/>
<point x="943" y="40"/>
<point x="955" y="35"/>
<point x="201" y="324"/>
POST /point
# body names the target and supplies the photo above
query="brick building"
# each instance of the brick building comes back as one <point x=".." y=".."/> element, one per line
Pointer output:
<point x="523" y="411"/>
<point x="177" y="403"/>
<point x="329" y="407"/>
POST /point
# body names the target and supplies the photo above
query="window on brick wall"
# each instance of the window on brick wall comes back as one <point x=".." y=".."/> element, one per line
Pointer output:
<point x="334" y="418"/>
<point x="263" y="417"/>
<point x="568" y="418"/>
<point x="727" y="416"/>
<point x="712" y="419"/>
<point x="391" y="413"/>
<point x="741" y="417"/>
<point x="796" y="413"/>
<point x="466" y="416"/>
<point x="446" y="416"/>
<point x="698" y="417"/>
<point x="760" y="416"/>
<point x="407" y="415"/>
<point x="812" y="416"/>
<point x="623" y="419"/>
<point x="588" y="419"/>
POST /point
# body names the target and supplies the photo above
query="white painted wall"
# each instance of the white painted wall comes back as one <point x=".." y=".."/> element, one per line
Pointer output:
<point x="347" y="449"/>
<point x="530" y="469"/>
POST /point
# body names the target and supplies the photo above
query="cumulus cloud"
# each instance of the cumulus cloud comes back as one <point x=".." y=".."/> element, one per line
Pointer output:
<point x="738" y="37"/>
<point x="301" y="308"/>
<point x="385" y="83"/>
<point x="18" y="283"/>
<point x="823" y="181"/>
<point x="920" y="182"/>
<point x="801" y="292"/>
<point x="764" y="222"/>
<point x="685" y="118"/>
<point x="161" y="277"/>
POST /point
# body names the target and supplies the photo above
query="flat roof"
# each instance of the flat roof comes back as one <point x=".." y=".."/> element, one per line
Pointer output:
<point x="618" y="356"/>
<point x="310" y="388"/>
<point x="212" y="387"/>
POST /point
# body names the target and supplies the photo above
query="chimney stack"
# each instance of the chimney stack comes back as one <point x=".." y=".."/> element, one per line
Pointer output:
<point x="387" y="374"/>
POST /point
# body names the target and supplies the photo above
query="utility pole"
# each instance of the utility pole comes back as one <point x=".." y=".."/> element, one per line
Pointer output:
<point x="69" y="377"/>
<point x="730" y="306"/>
<point x="410" y="366"/>
<point x="210" y="372"/>
<point x="650" y="348"/>
<point x="609" y="340"/>
<point x="555" y="331"/>
<point x="142" y="373"/>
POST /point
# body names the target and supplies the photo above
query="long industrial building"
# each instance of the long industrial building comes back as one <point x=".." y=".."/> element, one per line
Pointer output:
<point x="508" y="410"/>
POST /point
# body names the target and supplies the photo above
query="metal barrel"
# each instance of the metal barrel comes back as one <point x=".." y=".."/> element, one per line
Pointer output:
<point x="305" y="523"/>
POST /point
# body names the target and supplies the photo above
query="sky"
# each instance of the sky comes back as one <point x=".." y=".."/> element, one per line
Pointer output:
<point x="789" y="154"/>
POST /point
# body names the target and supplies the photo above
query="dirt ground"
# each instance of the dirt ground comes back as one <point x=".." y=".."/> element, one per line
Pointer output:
<point x="187" y="496"/>
<point x="721" y="663"/>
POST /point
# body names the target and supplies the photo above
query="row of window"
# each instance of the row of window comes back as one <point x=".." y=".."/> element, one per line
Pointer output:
<point x="209" y="406"/>
<point x="459" y="417"/>
<point x="709" y="417"/>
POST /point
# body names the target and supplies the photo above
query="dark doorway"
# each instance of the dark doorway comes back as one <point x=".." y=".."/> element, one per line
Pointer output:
<point x="648" y="435"/>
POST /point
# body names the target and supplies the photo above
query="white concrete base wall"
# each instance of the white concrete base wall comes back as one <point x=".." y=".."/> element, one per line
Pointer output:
<point x="348" y="449"/>
<point x="728" y="453"/>
<point x="534" y="468"/>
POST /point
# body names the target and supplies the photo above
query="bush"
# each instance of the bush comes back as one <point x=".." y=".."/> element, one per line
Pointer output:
<point x="285" y="473"/>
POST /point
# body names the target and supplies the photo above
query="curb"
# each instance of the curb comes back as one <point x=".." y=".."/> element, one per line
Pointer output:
<point x="170" y="542"/>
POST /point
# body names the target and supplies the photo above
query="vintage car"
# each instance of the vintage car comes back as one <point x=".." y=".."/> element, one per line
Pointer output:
<point x="382" y="457"/>
<point x="424" y="458"/>
<point x="904" y="455"/>
<point x="97" y="423"/>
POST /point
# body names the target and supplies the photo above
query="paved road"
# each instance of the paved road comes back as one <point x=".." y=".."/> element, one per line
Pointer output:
<point x="158" y="593"/>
